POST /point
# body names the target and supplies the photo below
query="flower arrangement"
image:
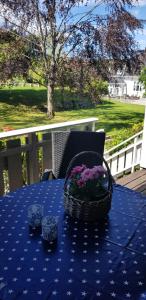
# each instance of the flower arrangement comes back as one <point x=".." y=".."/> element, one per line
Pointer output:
<point x="87" y="184"/>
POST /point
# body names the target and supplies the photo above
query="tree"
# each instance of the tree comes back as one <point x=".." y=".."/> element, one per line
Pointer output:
<point x="12" y="59"/>
<point x="142" y="77"/>
<point x="61" y="30"/>
<point x="96" y="88"/>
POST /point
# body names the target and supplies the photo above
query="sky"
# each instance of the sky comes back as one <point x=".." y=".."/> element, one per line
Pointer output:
<point x="139" y="11"/>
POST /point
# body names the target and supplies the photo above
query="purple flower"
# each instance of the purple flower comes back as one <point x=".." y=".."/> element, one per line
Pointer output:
<point x="88" y="174"/>
<point x="80" y="183"/>
<point x="77" y="170"/>
<point x="99" y="170"/>
<point x="93" y="173"/>
<point x="86" y="182"/>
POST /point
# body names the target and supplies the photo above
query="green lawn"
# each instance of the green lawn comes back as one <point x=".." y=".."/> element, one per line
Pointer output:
<point x="19" y="109"/>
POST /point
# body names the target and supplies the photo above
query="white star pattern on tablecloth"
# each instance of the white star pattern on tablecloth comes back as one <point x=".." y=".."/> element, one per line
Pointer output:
<point x="54" y="293"/>
<point x="25" y="292"/>
<point x="83" y="293"/>
<point x="98" y="294"/>
<point x="69" y="293"/>
<point x="113" y="294"/>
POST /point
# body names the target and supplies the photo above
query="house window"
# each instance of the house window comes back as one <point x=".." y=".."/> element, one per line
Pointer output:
<point x="137" y="86"/>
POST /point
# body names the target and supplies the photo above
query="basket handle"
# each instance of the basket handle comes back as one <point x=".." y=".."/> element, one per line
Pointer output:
<point x="110" y="180"/>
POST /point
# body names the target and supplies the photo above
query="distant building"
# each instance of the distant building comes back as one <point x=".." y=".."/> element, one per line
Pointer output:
<point x="124" y="82"/>
<point x="125" y="86"/>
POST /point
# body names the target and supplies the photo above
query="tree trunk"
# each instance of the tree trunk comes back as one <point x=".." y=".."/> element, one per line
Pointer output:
<point x="50" y="101"/>
<point x="62" y="96"/>
<point x="81" y="80"/>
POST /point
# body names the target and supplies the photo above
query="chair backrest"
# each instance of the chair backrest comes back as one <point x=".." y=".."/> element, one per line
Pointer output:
<point x="65" y="145"/>
<point x="59" y="139"/>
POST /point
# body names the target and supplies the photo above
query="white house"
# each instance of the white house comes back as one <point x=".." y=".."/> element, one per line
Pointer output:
<point x="125" y="86"/>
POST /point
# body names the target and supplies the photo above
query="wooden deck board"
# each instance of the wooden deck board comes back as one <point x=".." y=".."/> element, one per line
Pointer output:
<point x="142" y="189"/>
<point x="133" y="176"/>
<point x="135" y="181"/>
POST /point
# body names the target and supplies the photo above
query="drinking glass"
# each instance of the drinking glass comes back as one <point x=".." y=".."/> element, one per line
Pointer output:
<point x="49" y="228"/>
<point x="35" y="214"/>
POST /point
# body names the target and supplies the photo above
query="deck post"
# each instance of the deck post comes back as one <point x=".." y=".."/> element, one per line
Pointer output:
<point x="93" y="126"/>
<point x="32" y="159"/>
<point x="143" y="151"/>
<point x="134" y="154"/>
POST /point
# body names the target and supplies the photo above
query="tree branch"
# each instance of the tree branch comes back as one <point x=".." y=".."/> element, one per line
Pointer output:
<point x="42" y="35"/>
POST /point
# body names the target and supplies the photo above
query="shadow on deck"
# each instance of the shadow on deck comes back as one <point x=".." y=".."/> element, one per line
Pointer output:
<point x="135" y="181"/>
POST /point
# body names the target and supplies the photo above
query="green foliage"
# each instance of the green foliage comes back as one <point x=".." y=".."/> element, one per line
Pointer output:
<point x="142" y="77"/>
<point x="137" y="127"/>
<point x="36" y="72"/>
<point x="96" y="88"/>
<point x="124" y="134"/>
<point x="13" y="59"/>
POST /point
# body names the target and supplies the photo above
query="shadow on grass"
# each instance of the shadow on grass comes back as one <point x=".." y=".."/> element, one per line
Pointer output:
<point x="108" y="119"/>
<point x="29" y="97"/>
<point x="38" y="97"/>
<point x="121" y="120"/>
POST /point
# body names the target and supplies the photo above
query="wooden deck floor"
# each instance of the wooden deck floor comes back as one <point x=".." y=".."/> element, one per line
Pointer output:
<point x="135" y="181"/>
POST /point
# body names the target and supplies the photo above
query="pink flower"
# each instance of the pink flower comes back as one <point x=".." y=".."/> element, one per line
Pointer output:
<point x="93" y="173"/>
<point x="87" y="174"/>
<point x="77" y="170"/>
<point x="80" y="183"/>
<point x="87" y="181"/>
<point x="100" y="170"/>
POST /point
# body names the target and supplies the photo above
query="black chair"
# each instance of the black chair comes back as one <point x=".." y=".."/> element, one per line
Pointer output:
<point x="65" y="145"/>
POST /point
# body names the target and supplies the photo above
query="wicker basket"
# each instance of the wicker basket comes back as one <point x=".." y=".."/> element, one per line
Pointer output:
<point x="88" y="210"/>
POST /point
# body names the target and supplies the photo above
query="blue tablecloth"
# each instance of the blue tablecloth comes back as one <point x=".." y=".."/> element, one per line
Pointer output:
<point x="89" y="261"/>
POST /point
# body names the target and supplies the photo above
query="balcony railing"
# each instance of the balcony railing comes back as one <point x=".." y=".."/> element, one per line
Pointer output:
<point x="126" y="156"/>
<point x="26" y="153"/>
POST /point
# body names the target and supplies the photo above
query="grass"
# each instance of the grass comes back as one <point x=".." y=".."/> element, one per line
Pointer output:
<point x="19" y="108"/>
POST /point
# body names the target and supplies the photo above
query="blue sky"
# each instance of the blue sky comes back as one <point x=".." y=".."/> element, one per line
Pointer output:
<point x="139" y="10"/>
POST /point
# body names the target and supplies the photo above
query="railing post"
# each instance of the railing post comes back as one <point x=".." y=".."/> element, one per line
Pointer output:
<point x="47" y="151"/>
<point x="143" y="152"/>
<point x="1" y="178"/>
<point x="134" y="155"/>
<point x="93" y="126"/>
<point x="14" y="166"/>
<point x="32" y="159"/>
<point x="2" y="188"/>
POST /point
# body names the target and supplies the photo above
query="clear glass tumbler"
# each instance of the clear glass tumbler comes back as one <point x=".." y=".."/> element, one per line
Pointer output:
<point x="35" y="214"/>
<point x="49" y="228"/>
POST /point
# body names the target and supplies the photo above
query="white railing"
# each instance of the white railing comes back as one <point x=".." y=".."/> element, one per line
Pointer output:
<point x="88" y="122"/>
<point x="126" y="155"/>
<point x="26" y="153"/>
